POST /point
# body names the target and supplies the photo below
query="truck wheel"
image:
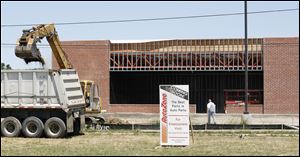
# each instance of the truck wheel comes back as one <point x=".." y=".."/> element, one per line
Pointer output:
<point x="11" y="127"/>
<point x="32" y="127"/>
<point x="55" y="128"/>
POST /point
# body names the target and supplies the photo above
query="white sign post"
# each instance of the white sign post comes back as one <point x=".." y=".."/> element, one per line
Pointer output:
<point x="174" y="115"/>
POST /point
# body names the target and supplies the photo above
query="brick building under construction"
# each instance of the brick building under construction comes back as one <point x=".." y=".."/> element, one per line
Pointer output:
<point x="129" y="73"/>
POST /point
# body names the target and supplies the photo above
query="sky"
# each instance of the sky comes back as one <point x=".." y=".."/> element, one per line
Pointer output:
<point x="280" y="24"/>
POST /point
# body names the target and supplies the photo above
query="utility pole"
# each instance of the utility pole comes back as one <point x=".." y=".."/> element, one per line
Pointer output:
<point x="246" y="60"/>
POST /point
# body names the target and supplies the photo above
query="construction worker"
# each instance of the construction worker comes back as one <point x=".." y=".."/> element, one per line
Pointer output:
<point x="211" y="111"/>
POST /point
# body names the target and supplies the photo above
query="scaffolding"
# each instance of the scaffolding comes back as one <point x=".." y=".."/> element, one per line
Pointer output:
<point x="186" y="55"/>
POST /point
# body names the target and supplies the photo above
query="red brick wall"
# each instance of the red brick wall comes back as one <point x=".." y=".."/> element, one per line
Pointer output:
<point x="281" y="76"/>
<point x="91" y="63"/>
<point x="146" y="108"/>
<point x="252" y="108"/>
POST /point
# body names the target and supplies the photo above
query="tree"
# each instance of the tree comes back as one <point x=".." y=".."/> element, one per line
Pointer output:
<point x="5" y="66"/>
<point x="8" y="67"/>
<point x="2" y="66"/>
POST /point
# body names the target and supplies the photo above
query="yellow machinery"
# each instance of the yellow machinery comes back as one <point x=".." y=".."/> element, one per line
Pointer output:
<point x="91" y="94"/>
<point x="27" y="50"/>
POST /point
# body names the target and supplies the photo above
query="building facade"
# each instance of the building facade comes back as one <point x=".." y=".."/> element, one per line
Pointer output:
<point x="129" y="73"/>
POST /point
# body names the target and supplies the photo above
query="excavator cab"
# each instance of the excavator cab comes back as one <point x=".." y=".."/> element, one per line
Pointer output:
<point x="91" y="95"/>
<point x="26" y="48"/>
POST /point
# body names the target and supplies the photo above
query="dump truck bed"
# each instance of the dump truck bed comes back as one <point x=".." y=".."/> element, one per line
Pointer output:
<point x="41" y="89"/>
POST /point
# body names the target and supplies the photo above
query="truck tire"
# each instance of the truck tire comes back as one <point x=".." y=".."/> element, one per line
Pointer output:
<point x="32" y="127"/>
<point x="55" y="128"/>
<point x="11" y="127"/>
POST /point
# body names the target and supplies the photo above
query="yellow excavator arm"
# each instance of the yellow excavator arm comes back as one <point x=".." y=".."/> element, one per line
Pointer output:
<point x="27" y="49"/>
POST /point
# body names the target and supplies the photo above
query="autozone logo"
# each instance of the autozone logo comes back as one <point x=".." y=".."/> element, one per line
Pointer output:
<point x="164" y="129"/>
<point x="164" y="108"/>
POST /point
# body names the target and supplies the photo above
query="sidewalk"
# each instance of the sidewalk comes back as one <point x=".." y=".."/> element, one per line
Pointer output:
<point x="153" y="118"/>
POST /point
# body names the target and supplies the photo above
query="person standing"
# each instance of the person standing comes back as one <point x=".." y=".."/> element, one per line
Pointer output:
<point x="211" y="111"/>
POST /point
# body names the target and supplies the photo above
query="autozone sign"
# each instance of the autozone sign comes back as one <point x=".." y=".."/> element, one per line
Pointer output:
<point x="174" y="115"/>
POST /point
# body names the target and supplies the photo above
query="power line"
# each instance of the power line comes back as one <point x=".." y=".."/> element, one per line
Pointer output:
<point x="46" y="45"/>
<point x="159" y="19"/>
<point x="97" y="46"/>
<point x="87" y="46"/>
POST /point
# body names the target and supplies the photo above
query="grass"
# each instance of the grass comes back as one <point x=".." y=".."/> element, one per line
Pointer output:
<point x="138" y="143"/>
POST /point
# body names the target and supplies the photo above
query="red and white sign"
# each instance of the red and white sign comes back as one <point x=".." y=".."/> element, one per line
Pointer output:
<point x="174" y="115"/>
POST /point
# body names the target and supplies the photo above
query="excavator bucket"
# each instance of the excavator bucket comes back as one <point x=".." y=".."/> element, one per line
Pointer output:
<point x="29" y="53"/>
<point x="27" y="50"/>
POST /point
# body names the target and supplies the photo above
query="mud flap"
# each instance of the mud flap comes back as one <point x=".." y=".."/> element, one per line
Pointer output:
<point x="82" y="120"/>
<point x="70" y="122"/>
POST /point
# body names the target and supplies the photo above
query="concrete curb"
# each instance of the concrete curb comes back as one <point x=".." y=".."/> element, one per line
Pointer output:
<point x="197" y="127"/>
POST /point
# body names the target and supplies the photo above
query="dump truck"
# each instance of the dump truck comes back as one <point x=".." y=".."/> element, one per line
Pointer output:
<point x="49" y="101"/>
<point x="37" y="102"/>
<point x="27" y="50"/>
